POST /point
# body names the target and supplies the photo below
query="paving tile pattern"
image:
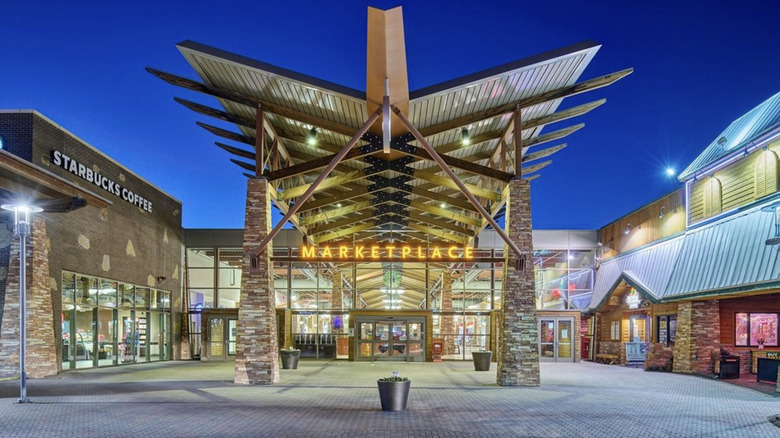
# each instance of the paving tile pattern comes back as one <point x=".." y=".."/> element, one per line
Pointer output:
<point x="339" y="399"/>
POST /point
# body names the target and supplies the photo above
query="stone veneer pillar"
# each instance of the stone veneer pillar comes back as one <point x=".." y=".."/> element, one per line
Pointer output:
<point x="41" y="348"/>
<point x="518" y="337"/>
<point x="257" y="351"/>
<point x="337" y="298"/>
<point x="698" y="336"/>
<point x="447" y="325"/>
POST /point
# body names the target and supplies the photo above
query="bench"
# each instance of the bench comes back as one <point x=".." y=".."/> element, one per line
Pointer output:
<point x="603" y="358"/>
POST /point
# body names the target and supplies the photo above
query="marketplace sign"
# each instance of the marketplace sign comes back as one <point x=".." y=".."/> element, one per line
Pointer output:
<point x="418" y="253"/>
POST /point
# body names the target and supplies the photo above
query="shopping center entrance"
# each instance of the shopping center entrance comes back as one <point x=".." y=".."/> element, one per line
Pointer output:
<point x="389" y="338"/>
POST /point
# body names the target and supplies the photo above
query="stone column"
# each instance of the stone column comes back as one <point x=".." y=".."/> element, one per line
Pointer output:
<point x="518" y="347"/>
<point x="698" y="336"/>
<point x="41" y="348"/>
<point x="257" y="351"/>
<point x="447" y="325"/>
<point x="337" y="299"/>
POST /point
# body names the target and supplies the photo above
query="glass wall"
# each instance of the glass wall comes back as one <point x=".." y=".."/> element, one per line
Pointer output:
<point x="564" y="278"/>
<point x="214" y="277"/>
<point x="105" y="322"/>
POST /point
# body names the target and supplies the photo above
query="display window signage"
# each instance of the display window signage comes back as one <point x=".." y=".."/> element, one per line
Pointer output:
<point x="87" y="174"/>
<point x="418" y="253"/>
<point x="633" y="300"/>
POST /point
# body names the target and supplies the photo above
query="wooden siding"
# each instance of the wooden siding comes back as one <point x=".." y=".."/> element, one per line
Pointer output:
<point x="647" y="225"/>
<point x="748" y="179"/>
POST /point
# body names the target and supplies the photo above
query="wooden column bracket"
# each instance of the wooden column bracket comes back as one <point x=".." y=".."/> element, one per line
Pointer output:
<point x="518" y="142"/>
<point x="473" y="200"/>
<point x="259" y="143"/>
<point x="305" y="197"/>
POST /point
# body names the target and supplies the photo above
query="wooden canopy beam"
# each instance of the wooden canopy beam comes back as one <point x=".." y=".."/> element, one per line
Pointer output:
<point x="309" y="191"/>
<point x="361" y="217"/>
<point x="342" y="233"/>
<point x="543" y="153"/>
<point x="444" y="213"/>
<point x="336" y="212"/>
<point x="446" y="235"/>
<point x="386" y="63"/>
<point x="420" y="138"/>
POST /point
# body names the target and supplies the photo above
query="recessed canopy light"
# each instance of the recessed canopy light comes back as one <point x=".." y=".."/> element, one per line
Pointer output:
<point x="312" y="140"/>
<point x="465" y="139"/>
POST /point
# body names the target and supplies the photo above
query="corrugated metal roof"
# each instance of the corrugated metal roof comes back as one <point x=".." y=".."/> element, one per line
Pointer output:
<point x="725" y="255"/>
<point x="739" y="134"/>
<point x="647" y="269"/>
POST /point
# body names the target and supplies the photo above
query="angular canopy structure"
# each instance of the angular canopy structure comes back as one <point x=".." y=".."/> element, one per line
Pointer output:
<point x="391" y="188"/>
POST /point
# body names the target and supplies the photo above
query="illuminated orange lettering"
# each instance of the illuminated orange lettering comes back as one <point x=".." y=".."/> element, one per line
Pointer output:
<point x="419" y="252"/>
<point x="359" y="252"/>
<point x="389" y="250"/>
<point x="343" y="251"/>
<point x="469" y="252"/>
<point x="405" y="251"/>
<point x="436" y="253"/>
<point x="452" y="252"/>
<point x="309" y="252"/>
<point x="326" y="252"/>
<point x="374" y="252"/>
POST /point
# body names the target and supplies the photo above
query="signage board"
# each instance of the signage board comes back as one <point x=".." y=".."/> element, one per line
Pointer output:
<point x="398" y="252"/>
<point x="633" y="299"/>
<point x="86" y="173"/>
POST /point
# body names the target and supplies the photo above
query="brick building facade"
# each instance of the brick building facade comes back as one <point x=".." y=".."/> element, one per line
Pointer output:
<point x="137" y="240"/>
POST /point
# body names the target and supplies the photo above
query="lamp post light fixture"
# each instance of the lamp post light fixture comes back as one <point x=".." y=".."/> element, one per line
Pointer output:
<point x="22" y="225"/>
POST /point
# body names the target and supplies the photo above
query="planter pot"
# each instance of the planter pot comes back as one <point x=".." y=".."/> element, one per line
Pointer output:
<point x="482" y="360"/>
<point x="290" y="359"/>
<point x="393" y="395"/>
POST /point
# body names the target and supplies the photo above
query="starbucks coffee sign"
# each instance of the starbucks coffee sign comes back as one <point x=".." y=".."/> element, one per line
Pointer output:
<point x="87" y="174"/>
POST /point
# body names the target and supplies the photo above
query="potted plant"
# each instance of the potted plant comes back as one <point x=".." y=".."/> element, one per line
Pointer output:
<point x="290" y="358"/>
<point x="393" y="392"/>
<point x="481" y="360"/>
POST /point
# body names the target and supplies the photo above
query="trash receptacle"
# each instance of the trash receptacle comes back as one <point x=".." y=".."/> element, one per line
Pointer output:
<point x="729" y="367"/>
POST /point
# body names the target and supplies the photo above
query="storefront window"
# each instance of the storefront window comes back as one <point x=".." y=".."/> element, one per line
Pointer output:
<point x="763" y="329"/>
<point x="667" y="329"/>
<point x="756" y="329"/>
<point x="107" y="323"/>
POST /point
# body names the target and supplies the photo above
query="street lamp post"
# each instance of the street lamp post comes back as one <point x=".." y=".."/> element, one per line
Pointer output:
<point x="22" y="221"/>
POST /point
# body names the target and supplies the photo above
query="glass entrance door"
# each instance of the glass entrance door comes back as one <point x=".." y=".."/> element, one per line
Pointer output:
<point x="221" y="338"/>
<point x="556" y="340"/>
<point x="391" y="340"/>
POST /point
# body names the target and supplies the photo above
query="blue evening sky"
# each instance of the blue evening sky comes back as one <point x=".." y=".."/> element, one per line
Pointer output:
<point x="698" y="66"/>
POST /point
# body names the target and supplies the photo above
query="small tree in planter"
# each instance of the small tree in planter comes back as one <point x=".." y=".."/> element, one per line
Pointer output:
<point x="290" y="358"/>
<point x="393" y="392"/>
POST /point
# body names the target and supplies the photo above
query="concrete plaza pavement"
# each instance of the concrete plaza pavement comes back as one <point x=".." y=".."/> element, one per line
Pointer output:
<point x="339" y="399"/>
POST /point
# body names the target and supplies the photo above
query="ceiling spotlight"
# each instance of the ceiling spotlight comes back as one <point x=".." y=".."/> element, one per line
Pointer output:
<point x="464" y="137"/>
<point x="338" y="205"/>
<point x="628" y="229"/>
<point x="661" y="212"/>
<point x="443" y="205"/>
<point x="312" y="140"/>
<point x="670" y="171"/>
